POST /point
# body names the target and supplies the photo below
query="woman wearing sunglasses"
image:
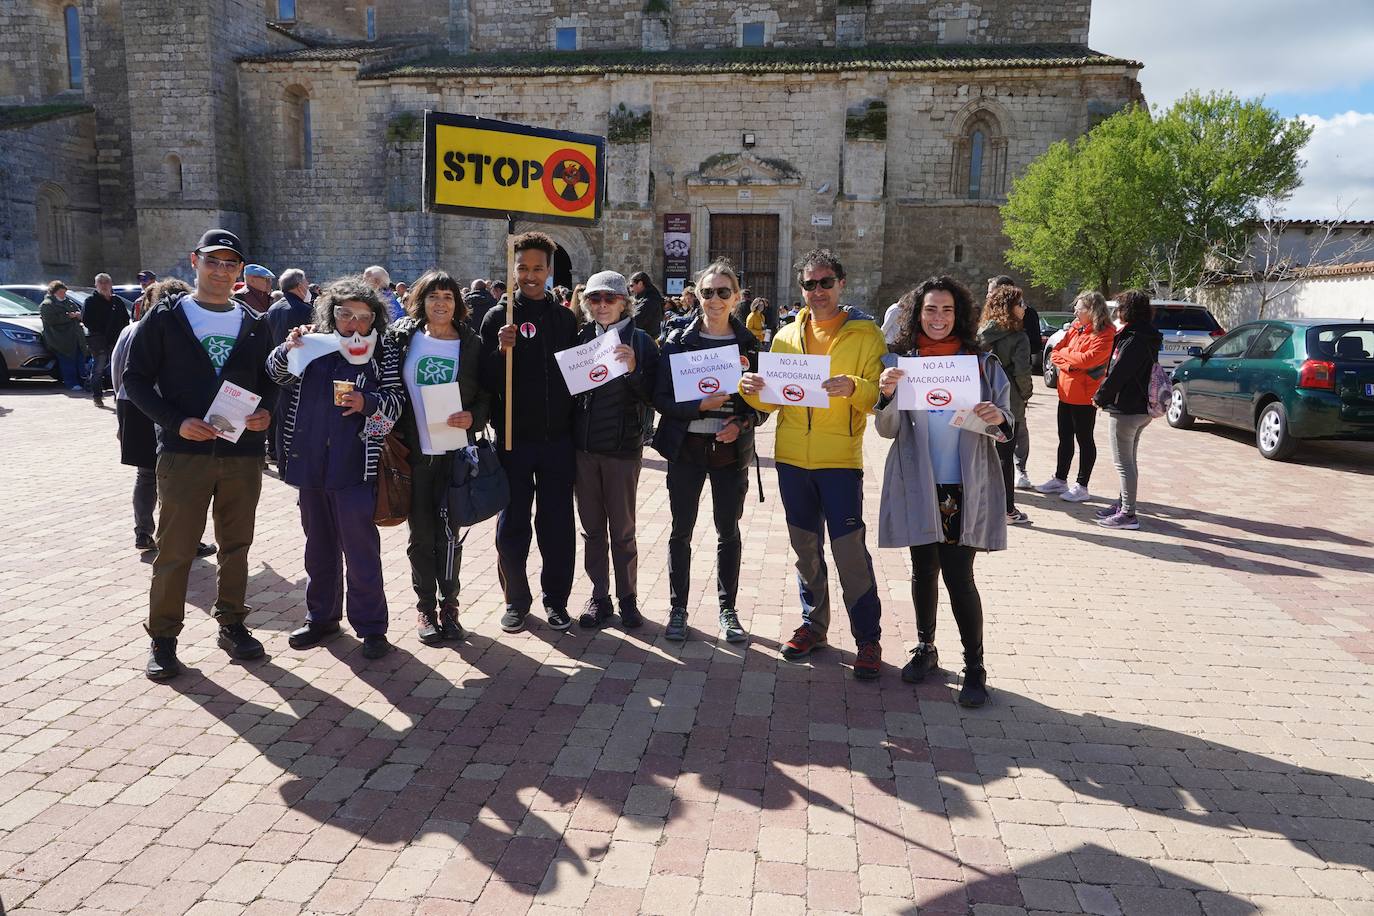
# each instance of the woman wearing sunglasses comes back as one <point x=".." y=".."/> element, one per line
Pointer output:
<point x="707" y="438"/>
<point x="339" y="407"/>
<point x="608" y="433"/>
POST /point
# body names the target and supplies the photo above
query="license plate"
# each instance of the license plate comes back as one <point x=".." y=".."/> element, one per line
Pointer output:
<point x="1369" y="390"/>
<point x="1173" y="348"/>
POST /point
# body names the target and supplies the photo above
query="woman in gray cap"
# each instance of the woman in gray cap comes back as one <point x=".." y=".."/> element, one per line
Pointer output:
<point x="608" y="433"/>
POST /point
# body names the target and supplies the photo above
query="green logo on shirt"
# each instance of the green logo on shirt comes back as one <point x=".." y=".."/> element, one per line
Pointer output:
<point x="218" y="347"/>
<point x="436" y="370"/>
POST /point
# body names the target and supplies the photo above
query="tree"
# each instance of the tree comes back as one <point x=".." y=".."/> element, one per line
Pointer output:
<point x="1158" y="201"/>
<point x="1086" y="213"/>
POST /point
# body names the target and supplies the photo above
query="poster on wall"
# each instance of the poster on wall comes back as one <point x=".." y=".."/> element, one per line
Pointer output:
<point x="677" y="249"/>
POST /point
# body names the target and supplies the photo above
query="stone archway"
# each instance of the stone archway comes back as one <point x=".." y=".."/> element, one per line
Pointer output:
<point x="581" y="259"/>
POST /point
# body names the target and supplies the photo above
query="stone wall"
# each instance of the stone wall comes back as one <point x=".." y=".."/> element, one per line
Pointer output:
<point x="33" y="50"/>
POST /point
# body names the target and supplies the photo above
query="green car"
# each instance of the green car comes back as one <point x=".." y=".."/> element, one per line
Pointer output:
<point x="1287" y="380"/>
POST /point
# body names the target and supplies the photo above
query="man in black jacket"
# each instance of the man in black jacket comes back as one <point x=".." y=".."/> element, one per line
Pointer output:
<point x="185" y="350"/>
<point x="479" y="301"/>
<point x="104" y="314"/>
<point x="541" y="462"/>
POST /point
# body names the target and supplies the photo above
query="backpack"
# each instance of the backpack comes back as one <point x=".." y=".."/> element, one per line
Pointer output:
<point x="1158" y="393"/>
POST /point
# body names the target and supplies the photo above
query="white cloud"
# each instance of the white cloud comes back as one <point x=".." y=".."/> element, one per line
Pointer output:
<point x="1340" y="167"/>
<point x="1262" y="47"/>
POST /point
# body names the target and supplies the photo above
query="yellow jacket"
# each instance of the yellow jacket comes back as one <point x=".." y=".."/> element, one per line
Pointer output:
<point x="755" y="324"/>
<point x="830" y="437"/>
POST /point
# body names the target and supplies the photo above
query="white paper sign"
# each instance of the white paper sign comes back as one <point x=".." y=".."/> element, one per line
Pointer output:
<point x="229" y="411"/>
<point x="591" y="365"/>
<point x="794" y="379"/>
<point x="699" y="374"/>
<point x="313" y="346"/>
<point x="938" y="382"/>
<point x="965" y="418"/>
<point x="440" y="402"/>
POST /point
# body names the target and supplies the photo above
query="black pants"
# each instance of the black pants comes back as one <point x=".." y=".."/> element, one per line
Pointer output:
<point x="434" y="580"/>
<point x="729" y="486"/>
<point x="955" y="563"/>
<point x="545" y="470"/>
<point x="1006" y="453"/>
<point x="1076" y="422"/>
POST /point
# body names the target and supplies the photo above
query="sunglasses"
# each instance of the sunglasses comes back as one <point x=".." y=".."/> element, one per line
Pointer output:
<point x="823" y="283"/>
<point x="707" y="292"/>
<point x="363" y="318"/>
<point x="602" y="297"/>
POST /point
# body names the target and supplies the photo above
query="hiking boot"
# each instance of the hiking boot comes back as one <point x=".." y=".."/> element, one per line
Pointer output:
<point x="925" y="658"/>
<point x="803" y="642"/>
<point x="729" y="625"/>
<point x="599" y="610"/>
<point x="375" y="646"/>
<point x="677" y="625"/>
<point x="428" y="628"/>
<point x="235" y="639"/>
<point x="513" y="621"/>
<point x="558" y="618"/>
<point x="974" y="693"/>
<point x="312" y="634"/>
<point x="630" y="618"/>
<point x="868" y="664"/>
<point x="162" y="659"/>
<point x="449" y="626"/>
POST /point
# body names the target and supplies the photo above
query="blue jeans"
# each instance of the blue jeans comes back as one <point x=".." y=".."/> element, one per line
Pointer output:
<point x="831" y="498"/>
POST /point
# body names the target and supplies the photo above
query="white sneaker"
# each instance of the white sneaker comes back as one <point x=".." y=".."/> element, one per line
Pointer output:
<point x="1076" y="493"/>
<point x="1023" y="481"/>
<point x="1053" y="485"/>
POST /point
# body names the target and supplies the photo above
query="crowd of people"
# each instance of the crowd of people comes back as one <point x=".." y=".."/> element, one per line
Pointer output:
<point x="328" y="414"/>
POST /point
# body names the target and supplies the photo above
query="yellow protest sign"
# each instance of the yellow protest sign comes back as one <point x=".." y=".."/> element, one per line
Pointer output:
<point x="495" y="169"/>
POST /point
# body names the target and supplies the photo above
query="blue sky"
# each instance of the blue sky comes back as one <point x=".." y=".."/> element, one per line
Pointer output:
<point x="1313" y="60"/>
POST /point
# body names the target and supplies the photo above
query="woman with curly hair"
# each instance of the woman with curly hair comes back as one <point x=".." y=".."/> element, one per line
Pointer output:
<point x="1002" y="334"/>
<point x="1081" y="357"/>
<point x="943" y="493"/>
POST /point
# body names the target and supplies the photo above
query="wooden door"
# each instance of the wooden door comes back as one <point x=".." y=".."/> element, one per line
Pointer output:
<point x="750" y="241"/>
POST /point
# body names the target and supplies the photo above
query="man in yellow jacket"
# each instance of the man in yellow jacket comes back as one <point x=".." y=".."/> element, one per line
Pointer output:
<point x="819" y="457"/>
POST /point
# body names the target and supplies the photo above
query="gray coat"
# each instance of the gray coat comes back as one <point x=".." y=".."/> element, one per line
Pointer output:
<point x="909" y="515"/>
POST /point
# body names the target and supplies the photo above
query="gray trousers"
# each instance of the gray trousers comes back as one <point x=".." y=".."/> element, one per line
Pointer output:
<point x="1021" y="446"/>
<point x="145" y="501"/>
<point x="605" y="490"/>
<point x="1124" y="432"/>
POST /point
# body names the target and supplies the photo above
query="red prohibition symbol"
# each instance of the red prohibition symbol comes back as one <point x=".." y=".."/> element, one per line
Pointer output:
<point x="598" y="373"/>
<point x="793" y="392"/>
<point x="708" y="385"/>
<point x="938" y="397"/>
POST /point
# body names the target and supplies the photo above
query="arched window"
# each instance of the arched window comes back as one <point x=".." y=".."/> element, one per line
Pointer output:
<point x="980" y="159"/>
<point x="54" y="224"/>
<point x="171" y="175"/>
<point x="297" y="129"/>
<point x="72" y="19"/>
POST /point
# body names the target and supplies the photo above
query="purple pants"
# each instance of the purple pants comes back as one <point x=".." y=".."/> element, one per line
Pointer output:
<point x="339" y="532"/>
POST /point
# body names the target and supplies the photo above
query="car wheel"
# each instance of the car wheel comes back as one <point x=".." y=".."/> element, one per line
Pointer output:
<point x="1271" y="433"/>
<point x="1177" y="414"/>
<point x="1051" y="375"/>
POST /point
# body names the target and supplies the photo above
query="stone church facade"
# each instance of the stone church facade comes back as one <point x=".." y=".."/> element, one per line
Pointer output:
<point x="889" y="131"/>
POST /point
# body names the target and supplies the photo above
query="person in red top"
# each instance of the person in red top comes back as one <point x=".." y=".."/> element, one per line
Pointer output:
<point x="1081" y="357"/>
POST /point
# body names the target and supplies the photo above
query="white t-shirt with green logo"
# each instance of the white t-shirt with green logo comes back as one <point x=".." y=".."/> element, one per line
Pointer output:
<point x="428" y="362"/>
<point x="216" y="331"/>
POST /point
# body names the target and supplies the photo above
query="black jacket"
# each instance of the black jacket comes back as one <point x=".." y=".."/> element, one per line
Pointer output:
<point x="475" y="398"/>
<point x="1126" y="389"/>
<point x="542" y="406"/>
<point x="672" y="425"/>
<point x="649" y="310"/>
<point x="104" y="318"/>
<point x="479" y="302"/>
<point x="1031" y="322"/>
<point x="291" y="312"/>
<point x="610" y="420"/>
<point x="170" y="377"/>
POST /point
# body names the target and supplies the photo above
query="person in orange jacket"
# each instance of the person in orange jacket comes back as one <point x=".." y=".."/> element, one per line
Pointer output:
<point x="1081" y="357"/>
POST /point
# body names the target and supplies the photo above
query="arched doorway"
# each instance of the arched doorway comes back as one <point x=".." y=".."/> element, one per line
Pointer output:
<point x="562" y="268"/>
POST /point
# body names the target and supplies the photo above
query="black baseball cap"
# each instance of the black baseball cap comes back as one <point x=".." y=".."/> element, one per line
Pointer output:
<point x="217" y="239"/>
<point x="146" y="275"/>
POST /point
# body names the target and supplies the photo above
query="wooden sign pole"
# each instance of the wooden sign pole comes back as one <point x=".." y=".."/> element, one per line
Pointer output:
<point x="511" y="287"/>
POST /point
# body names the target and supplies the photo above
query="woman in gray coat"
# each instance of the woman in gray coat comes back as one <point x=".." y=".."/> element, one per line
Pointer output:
<point x="943" y="496"/>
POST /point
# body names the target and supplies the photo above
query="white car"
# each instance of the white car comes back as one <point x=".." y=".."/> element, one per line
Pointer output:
<point x="1182" y="324"/>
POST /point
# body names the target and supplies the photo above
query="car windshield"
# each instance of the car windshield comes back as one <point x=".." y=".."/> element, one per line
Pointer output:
<point x="1169" y="318"/>
<point x="1056" y="320"/>
<point x="12" y="306"/>
<point x="1351" y="343"/>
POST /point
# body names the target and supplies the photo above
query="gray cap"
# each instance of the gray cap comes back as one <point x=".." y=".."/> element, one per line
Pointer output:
<point x="607" y="281"/>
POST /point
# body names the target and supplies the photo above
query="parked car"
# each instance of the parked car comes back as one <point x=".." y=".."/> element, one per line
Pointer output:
<point x="1052" y="328"/>
<point x="1182" y="325"/>
<point x="35" y="293"/>
<point x="1286" y="380"/>
<point x="22" y="354"/>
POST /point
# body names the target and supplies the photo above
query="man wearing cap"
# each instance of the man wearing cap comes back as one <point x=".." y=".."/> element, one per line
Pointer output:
<point x="146" y="278"/>
<point x="187" y="348"/>
<point x="258" y="294"/>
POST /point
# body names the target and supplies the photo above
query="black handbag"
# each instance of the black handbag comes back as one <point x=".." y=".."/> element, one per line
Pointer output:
<point x="479" y="488"/>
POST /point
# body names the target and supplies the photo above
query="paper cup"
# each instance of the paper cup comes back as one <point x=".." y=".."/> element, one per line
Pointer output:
<point x="340" y="390"/>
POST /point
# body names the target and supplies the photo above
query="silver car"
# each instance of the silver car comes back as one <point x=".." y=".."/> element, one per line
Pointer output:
<point x="1184" y="325"/>
<point x="22" y="354"/>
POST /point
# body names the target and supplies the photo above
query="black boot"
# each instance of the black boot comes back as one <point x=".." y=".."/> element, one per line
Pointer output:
<point x="925" y="658"/>
<point x="427" y="622"/>
<point x="629" y="613"/>
<point x="162" y="659"/>
<point x="235" y="639"/>
<point x="599" y="610"/>
<point x="974" y="693"/>
<point x="448" y="622"/>
<point x="312" y="635"/>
